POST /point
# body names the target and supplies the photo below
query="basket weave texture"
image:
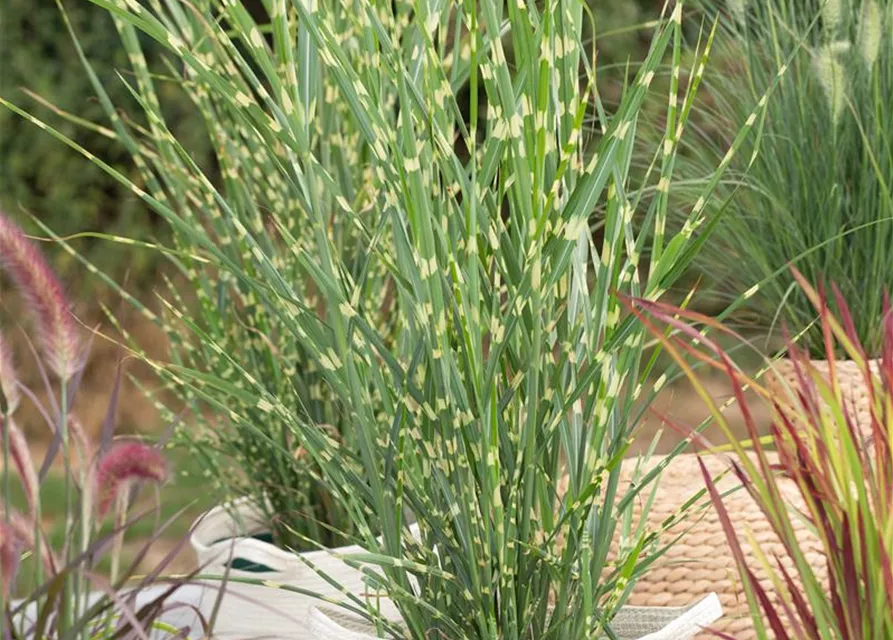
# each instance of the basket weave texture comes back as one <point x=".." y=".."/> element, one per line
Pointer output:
<point x="701" y="561"/>
<point x="850" y="378"/>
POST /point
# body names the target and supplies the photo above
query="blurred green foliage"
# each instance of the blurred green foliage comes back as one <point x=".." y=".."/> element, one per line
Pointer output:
<point x="618" y="19"/>
<point x="39" y="176"/>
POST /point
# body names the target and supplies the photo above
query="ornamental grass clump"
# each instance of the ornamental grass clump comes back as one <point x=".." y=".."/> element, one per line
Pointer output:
<point x="228" y="428"/>
<point x="819" y="196"/>
<point x="843" y="472"/>
<point x="411" y="203"/>
<point x="60" y="590"/>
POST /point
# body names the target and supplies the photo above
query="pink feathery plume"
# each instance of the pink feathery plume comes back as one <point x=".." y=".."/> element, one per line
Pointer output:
<point x="122" y="464"/>
<point x="19" y="450"/>
<point x="9" y="382"/>
<point x="20" y="453"/>
<point x="45" y="298"/>
<point x="15" y="538"/>
<point x="78" y="436"/>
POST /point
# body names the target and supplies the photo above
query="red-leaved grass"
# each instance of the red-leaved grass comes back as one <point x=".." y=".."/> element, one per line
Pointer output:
<point x="842" y="470"/>
<point x="45" y="298"/>
<point x="122" y="464"/>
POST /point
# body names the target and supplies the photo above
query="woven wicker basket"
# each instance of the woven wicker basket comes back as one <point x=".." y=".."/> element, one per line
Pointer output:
<point x="850" y="378"/>
<point x="701" y="561"/>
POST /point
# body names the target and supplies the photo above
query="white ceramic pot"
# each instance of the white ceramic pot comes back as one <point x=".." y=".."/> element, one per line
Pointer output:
<point x="631" y="623"/>
<point x="223" y="540"/>
<point x="180" y="611"/>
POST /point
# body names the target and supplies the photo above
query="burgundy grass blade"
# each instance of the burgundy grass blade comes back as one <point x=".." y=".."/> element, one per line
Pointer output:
<point x="76" y="435"/>
<point x="827" y="335"/>
<point x="852" y="592"/>
<point x="686" y="432"/>
<point x="108" y="425"/>
<point x="887" y="572"/>
<point x="846" y="318"/>
<point x="119" y="604"/>
<point x="175" y="549"/>
<point x="796" y="628"/>
<point x="886" y="357"/>
<point x="674" y="322"/>
<point x="836" y="604"/>
<point x="866" y="569"/>
<point x="804" y="613"/>
<point x="724" y="518"/>
<point x="861" y="441"/>
<point x="805" y="386"/>
<point x="799" y="464"/>
<point x="664" y="308"/>
<point x="769" y="609"/>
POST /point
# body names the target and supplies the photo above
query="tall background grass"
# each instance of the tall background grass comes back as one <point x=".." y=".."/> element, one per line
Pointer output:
<point x="820" y="192"/>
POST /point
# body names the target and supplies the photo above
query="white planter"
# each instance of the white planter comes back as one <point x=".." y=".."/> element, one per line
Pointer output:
<point x="223" y="536"/>
<point x="179" y="611"/>
<point x="632" y="623"/>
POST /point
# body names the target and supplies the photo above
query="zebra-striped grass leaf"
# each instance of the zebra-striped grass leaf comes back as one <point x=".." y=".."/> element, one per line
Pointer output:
<point x="394" y="265"/>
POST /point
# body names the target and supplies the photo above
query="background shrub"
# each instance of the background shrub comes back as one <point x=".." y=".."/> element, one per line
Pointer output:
<point x="42" y="178"/>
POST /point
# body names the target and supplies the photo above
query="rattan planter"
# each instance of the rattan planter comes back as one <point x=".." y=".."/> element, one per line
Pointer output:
<point x="851" y="378"/>
<point x="701" y="561"/>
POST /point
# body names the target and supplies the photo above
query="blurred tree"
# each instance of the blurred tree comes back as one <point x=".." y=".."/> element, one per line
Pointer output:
<point x="42" y="177"/>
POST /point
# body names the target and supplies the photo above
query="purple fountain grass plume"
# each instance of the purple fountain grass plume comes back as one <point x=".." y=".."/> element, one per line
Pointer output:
<point x="79" y="436"/>
<point x="9" y="383"/>
<point x="15" y="538"/>
<point x="21" y="458"/>
<point x="122" y="464"/>
<point x="18" y="445"/>
<point x="45" y="297"/>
